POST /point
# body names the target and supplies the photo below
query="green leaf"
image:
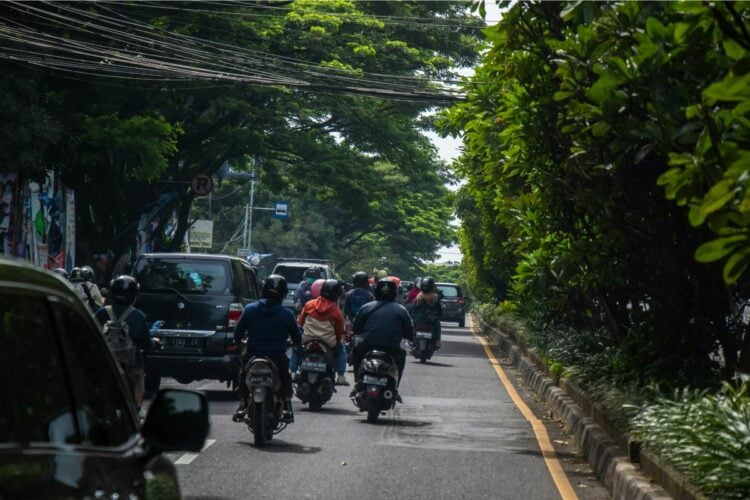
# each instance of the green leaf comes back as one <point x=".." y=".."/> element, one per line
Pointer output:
<point x="561" y="95"/>
<point x="714" y="250"/>
<point x="719" y="194"/>
<point x="736" y="265"/>
<point x="655" y="29"/>
<point x="602" y="87"/>
<point x="600" y="129"/>
<point x="733" y="49"/>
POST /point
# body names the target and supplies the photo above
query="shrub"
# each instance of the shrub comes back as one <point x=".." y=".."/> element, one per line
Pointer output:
<point x="706" y="436"/>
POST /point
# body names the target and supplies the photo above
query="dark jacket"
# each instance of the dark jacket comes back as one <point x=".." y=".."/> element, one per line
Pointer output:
<point x="267" y="326"/>
<point x="355" y="300"/>
<point x="137" y="328"/>
<point x="383" y="325"/>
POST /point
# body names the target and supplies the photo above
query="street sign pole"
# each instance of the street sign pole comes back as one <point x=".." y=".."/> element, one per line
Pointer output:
<point x="249" y="245"/>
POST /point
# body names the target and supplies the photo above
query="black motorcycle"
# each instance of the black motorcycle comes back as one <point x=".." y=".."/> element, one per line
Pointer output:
<point x="314" y="384"/>
<point x="264" y="404"/>
<point x="377" y="379"/>
<point x="423" y="347"/>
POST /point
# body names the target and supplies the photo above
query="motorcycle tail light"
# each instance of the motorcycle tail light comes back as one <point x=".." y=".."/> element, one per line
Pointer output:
<point x="313" y="359"/>
<point x="372" y="392"/>
<point x="314" y="346"/>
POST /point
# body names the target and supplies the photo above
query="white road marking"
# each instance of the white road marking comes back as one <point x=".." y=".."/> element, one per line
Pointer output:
<point x="189" y="457"/>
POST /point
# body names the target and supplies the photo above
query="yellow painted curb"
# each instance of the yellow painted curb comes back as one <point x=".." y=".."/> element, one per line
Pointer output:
<point x="540" y="431"/>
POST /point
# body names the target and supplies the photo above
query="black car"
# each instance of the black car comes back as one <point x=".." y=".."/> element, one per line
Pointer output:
<point x="68" y="423"/>
<point x="194" y="300"/>
<point x="454" y="306"/>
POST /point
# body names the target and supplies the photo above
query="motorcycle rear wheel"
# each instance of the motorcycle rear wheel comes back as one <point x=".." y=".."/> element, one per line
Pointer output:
<point x="423" y="356"/>
<point x="259" y="424"/>
<point x="314" y="403"/>
<point x="373" y="412"/>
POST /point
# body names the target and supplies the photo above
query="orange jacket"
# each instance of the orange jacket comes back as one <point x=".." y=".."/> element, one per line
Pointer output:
<point x="322" y="319"/>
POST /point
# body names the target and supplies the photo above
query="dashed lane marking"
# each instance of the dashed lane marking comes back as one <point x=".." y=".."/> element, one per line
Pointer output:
<point x="540" y="431"/>
<point x="188" y="458"/>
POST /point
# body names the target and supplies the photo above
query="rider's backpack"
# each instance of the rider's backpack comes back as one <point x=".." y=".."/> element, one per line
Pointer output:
<point x="86" y="289"/>
<point x="358" y="298"/>
<point x="117" y="334"/>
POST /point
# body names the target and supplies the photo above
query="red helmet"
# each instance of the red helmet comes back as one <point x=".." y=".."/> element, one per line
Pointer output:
<point x="316" y="287"/>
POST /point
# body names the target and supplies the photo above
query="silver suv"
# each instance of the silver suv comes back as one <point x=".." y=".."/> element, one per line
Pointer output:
<point x="294" y="269"/>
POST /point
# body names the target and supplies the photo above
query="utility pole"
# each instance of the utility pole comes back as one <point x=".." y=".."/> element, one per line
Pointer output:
<point x="250" y="212"/>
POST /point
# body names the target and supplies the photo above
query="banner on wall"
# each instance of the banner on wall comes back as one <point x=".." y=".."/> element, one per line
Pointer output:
<point x="52" y="217"/>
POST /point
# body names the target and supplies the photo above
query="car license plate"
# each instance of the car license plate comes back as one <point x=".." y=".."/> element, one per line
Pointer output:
<point x="424" y="335"/>
<point x="314" y="366"/>
<point x="181" y="342"/>
<point x="260" y="380"/>
<point x="370" y="380"/>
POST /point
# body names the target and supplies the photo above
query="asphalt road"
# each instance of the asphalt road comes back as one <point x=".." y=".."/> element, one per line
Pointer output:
<point x="457" y="435"/>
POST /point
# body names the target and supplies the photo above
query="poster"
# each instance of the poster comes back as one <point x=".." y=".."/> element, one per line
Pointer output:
<point x="49" y="221"/>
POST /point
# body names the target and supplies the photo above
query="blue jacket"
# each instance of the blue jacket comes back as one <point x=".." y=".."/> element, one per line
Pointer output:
<point x="383" y="325"/>
<point x="267" y="326"/>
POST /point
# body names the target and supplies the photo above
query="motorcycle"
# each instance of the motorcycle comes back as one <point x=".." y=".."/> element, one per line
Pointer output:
<point x="423" y="347"/>
<point x="377" y="379"/>
<point x="264" y="405"/>
<point x="350" y="342"/>
<point x="314" y="383"/>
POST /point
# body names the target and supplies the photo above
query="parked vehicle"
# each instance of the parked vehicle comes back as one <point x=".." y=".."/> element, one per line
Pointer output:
<point x="423" y="347"/>
<point x="377" y="380"/>
<point x="454" y="306"/>
<point x="264" y="405"/>
<point x="68" y="421"/>
<point x="194" y="302"/>
<point x="294" y="269"/>
<point x="314" y="384"/>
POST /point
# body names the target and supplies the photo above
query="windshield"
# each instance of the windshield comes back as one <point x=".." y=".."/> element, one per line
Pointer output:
<point x="183" y="276"/>
<point x="448" y="291"/>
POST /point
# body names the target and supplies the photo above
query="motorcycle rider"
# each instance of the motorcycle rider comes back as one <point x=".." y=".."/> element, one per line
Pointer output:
<point x="88" y="280"/>
<point x="268" y="326"/>
<point x="414" y="291"/>
<point x="123" y="292"/>
<point x="61" y="272"/>
<point x="383" y="324"/>
<point x="303" y="292"/>
<point x="86" y="290"/>
<point x="357" y="296"/>
<point x="321" y="319"/>
<point x="427" y="308"/>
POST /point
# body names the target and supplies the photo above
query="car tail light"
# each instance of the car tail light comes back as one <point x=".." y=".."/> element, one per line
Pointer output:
<point x="232" y="348"/>
<point x="460" y="300"/>
<point x="235" y="311"/>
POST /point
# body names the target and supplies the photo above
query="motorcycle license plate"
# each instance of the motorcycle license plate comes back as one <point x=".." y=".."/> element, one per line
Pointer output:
<point x="370" y="380"/>
<point x="314" y="366"/>
<point x="261" y="380"/>
<point x="424" y="335"/>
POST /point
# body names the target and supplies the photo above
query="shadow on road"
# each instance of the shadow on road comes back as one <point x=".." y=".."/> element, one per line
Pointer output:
<point x="279" y="446"/>
<point x="434" y="363"/>
<point x="219" y="395"/>
<point x="397" y="422"/>
<point x="331" y="411"/>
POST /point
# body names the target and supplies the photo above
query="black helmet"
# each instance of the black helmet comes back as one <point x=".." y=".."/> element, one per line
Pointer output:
<point x="427" y="285"/>
<point x="88" y="273"/>
<point x="62" y="272"/>
<point x="331" y="290"/>
<point x="124" y="288"/>
<point x="385" y="289"/>
<point x="76" y="275"/>
<point x="360" y="279"/>
<point x="274" y="288"/>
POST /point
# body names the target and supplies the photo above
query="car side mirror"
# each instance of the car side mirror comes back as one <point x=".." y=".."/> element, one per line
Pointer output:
<point x="177" y="420"/>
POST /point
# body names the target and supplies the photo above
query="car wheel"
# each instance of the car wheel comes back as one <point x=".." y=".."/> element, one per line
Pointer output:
<point x="461" y="322"/>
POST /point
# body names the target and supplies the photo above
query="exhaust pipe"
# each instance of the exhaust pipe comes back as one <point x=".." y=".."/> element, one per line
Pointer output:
<point x="388" y="394"/>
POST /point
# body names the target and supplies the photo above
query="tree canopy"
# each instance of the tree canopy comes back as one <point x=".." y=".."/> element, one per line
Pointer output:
<point x="606" y="149"/>
<point x="129" y="101"/>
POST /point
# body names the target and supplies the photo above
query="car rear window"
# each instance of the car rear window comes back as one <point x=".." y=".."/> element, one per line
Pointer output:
<point x="449" y="291"/>
<point x="196" y="276"/>
<point x="294" y="274"/>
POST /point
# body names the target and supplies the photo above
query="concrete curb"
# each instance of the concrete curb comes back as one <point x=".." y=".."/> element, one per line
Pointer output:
<point x="609" y="462"/>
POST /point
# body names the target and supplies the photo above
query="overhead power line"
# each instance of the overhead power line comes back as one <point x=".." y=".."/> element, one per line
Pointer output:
<point x="118" y="46"/>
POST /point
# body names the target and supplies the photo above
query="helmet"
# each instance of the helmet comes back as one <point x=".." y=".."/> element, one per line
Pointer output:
<point x="316" y="287"/>
<point x="385" y="290"/>
<point x="274" y="288"/>
<point x="331" y="290"/>
<point x="88" y="273"/>
<point x="311" y="274"/>
<point x="76" y="275"/>
<point x="427" y="285"/>
<point x="61" y="271"/>
<point x="417" y="281"/>
<point x="360" y="279"/>
<point x="124" y="288"/>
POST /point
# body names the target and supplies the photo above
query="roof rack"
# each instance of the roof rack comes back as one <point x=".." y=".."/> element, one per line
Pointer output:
<point x="302" y="259"/>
